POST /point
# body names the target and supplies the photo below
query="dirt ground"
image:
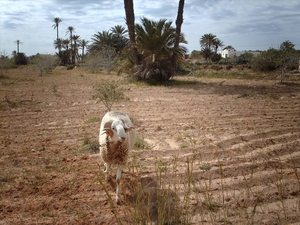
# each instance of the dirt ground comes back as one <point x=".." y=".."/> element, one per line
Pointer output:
<point x="236" y="142"/>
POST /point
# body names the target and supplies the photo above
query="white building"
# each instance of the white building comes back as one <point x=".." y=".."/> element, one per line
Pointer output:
<point x="231" y="53"/>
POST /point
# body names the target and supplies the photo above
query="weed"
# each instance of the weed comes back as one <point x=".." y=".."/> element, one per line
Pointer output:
<point x="205" y="166"/>
<point x="89" y="145"/>
<point x="108" y="93"/>
<point x="183" y="145"/>
<point x="140" y="143"/>
<point x="92" y="120"/>
<point x="54" y="88"/>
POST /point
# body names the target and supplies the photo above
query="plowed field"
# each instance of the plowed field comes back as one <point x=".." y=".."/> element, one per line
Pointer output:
<point x="219" y="151"/>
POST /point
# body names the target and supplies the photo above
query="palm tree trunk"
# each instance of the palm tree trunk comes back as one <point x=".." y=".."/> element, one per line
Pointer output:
<point x="18" y="46"/>
<point x="128" y="5"/>
<point x="179" y="22"/>
<point x="82" y="56"/>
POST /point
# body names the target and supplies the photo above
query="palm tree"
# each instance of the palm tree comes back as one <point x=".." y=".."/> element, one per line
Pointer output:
<point x="206" y="43"/>
<point x="76" y="38"/>
<point x="99" y="39"/>
<point x="207" y="40"/>
<point x="83" y="45"/>
<point x="287" y="46"/>
<point x="229" y="48"/>
<point x="118" y="30"/>
<point x="155" y="43"/>
<point x="129" y="11"/>
<point x="18" y="42"/>
<point x="120" y="40"/>
<point x="217" y="43"/>
<point x="179" y="22"/>
<point x="70" y="31"/>
<point x="58" y="44"/>
<point x="56" y="21"/>
<point x="65" y="43"/>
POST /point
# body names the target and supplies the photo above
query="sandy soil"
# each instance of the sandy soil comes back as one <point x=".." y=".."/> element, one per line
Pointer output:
<point x="240" y="140"/>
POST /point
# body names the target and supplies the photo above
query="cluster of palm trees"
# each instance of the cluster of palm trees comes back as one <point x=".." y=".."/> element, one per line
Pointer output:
<point x="209" y="47"/>
<point x="68" y="48"/>
<point x="151" y="49"/>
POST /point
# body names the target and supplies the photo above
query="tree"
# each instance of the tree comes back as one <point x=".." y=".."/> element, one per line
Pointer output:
<point x="207" y="40"/>
<point x="286" y="58"/>
<point x="129" y="11"/>
<point x="58" y="44"/>
<point x="119" y="37"/>
<point x="20" y="58"/>
<point x="247" y="57"/>
<point x="118" y="31"/>
<point x="18" y="42"/>
<point x="155" y="43"/>
<point x="99" y="39"/>
<point x="70" y="31"/>
<point x="206" y="53"/>
<point x="179" y="22"/>
<point x="217" y="43"/>
<point x="265" y="61"/>
<point x="229" y="48"/>
<point x="64" y="57"/>
<point x="207" y="43"/>
<point x="65" y="43"/>
<point x="113" y="39"/>
<point x="83" y="44"/>
<point x="56" y="21"/>
<point x="76" y="39"/>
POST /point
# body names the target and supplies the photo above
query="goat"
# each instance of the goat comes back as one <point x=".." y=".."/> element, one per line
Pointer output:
<point x="116" y="138"/>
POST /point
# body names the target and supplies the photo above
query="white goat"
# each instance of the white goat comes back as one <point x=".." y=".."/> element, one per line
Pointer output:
<point x="116" y="138"/>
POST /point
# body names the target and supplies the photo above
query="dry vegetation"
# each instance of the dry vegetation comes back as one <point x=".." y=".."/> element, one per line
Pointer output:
<point x="210" y="151"/>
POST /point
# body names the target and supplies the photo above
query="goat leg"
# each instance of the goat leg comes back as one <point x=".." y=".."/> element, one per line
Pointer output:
<point x="118" y="179"/>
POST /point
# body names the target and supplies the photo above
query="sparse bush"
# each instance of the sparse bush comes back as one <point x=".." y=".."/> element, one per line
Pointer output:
<point x="105" y="58"/>
<point x="44" y="63"/>
<point x="265" y="61"/>
<point x="108" y="93"/>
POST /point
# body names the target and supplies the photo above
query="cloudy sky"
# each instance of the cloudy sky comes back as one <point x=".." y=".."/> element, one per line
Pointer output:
<point x="244" y="24"/>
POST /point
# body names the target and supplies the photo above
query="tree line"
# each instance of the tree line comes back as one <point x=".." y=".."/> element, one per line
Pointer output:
<point x="149" y="49"/>
<point x="68" y="49"/>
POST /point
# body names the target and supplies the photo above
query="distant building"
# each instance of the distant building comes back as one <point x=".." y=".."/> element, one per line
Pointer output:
<point x="231" y="53"/>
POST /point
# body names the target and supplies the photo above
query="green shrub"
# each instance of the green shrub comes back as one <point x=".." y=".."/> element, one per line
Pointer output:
<point x="108" y="93"/>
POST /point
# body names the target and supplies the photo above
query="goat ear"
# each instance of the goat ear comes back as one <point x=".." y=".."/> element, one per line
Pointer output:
<point x="128" y="129"/>
<point x="107" y="125"/>
<point x="108" y="131"/>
